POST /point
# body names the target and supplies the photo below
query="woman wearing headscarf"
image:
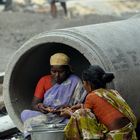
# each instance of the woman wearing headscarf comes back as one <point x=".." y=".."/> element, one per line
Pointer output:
<point x="53" y="92"/>
<point x="104" y="114"/>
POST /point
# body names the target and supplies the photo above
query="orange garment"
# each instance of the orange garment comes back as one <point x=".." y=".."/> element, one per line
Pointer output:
<point x="42" y="86"/>
<point x="103" y="110"/>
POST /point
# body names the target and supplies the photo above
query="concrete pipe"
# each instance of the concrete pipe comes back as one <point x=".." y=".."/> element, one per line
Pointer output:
<point x="114" y="45"/>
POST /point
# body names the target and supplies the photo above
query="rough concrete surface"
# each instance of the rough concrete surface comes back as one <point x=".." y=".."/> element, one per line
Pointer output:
<point x="1" y="97"/>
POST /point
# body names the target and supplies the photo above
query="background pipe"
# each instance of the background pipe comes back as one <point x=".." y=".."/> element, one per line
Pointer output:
<point x="114" y="45"/>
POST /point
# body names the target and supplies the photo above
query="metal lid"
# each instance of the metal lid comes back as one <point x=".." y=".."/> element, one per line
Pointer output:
<point x="48" y="127"/>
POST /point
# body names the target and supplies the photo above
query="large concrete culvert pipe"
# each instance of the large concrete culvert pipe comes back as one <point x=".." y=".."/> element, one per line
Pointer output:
<point x="114" y="45"/>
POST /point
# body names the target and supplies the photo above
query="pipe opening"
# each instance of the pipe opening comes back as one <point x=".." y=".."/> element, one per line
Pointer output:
<point x="32" y="65"/>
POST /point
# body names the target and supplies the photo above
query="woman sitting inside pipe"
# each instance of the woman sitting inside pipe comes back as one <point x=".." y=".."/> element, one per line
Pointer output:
<point x="53" y="92"/>
<point x="104" y="114"/>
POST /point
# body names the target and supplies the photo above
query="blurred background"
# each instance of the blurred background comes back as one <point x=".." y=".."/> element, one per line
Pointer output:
<point x="22" y="19"/>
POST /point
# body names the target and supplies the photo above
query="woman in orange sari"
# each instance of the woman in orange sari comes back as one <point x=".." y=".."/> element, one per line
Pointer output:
<point x="104" y="115"/>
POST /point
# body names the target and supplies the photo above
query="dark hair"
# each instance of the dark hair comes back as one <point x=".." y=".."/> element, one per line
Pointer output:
<point x="97" y="77"/>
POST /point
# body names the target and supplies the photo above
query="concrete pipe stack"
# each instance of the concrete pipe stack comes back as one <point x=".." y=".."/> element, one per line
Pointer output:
<point x="115" y="46"/>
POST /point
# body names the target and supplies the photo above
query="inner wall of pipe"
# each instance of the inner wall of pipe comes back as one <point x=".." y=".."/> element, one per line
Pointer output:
<point x="33" y="65"/>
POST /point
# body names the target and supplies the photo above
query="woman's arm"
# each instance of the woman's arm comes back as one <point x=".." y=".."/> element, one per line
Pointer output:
<point x="39" y="106"/>
<point x="77" y="106"/>
<point x="39" y="94"/>
<point x="66" y="112"/>
<point x="35" y="102"/>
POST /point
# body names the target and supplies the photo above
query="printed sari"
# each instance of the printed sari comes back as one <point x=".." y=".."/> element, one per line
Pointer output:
<point x="68" y="93"/>
<point x="83" y="125"/>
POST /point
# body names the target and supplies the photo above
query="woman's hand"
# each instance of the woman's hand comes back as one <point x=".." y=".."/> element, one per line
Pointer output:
<point x="49" y="110"/>
<point x="45" y="109"/>
<point x="77" y="106"/>
<point x="40" y="107"/>
<point x="66" y="112"/>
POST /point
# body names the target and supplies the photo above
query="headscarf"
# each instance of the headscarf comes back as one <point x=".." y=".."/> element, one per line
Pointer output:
<point x="59" y="59"/>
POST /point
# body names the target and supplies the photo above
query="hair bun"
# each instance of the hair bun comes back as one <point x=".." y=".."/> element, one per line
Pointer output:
<point x="108" y="77"/>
